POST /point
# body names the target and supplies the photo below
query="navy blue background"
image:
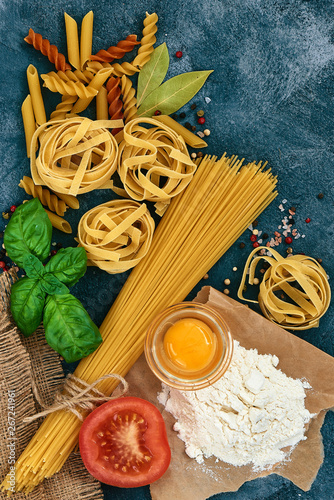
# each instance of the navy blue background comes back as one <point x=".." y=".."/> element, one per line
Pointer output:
<point x="271" y="99"/>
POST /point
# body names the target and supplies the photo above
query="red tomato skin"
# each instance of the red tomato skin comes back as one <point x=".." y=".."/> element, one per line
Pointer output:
<point x="155" y="439"/>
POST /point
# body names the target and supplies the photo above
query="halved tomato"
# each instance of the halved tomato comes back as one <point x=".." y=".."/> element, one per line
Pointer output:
<point x="124" y="443"/>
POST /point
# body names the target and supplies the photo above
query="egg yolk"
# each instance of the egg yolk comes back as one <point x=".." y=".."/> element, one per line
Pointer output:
<point x="190" y="344"/>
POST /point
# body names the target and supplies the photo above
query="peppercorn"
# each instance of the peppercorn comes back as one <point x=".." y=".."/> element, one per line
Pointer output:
<point x="53" y="252"/>
<point x="256" y="244"/>
<point x="174" y="116"/>
<point x="289" y="250"/>
<point x="2" y="264"/>
<point x="307" y="220"/>
<point x="157" y="112"/>
<point x="179" y="54"/>
<point x="226" y="291"/>
<point x="292" y="222"/>
<point x="200" y="113"/>
<point x="265" y="236"/>
<point x="256" y="232"/>
<point x="227" y="281"/>
<point x="320" y="196"/>
<point x="206" y="132"/>
<point x="6" y="268"/>
<point x="193" y="155"/>
<point x="201" y="120"/>
<point x="193" y="106"/>
<point x="206" y="276"/>
<point x="242" y="245"/>
<point x="199" y="154"/>
<point x="1" y="235"/>
<point x="188" y="125"/>
<point x="193" y="128"/>
<point x="182" y="115"/>
<point x="319" y="260"/>
<point x="256" y="281"/>
<point x="293" y="209"/>
<point x="253" y="237"/>
<point x="288" y="240"/>
<point x="13" y="208"/>
<point x="255" y="223"/>
<point x="234" y="268"/>
<point x="59" y="245"/>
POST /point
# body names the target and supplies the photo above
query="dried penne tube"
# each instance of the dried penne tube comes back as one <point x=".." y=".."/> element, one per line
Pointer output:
<point x="73" y="52"/>
<point x="59" y="222"/>
<point x="102" y="104"/>
<point x="86" y="38"/>
<point x="28" y="121"/>
<point x="95" y="85"/>
<point x="36" y="95"/>
<point x="191" y="139"/>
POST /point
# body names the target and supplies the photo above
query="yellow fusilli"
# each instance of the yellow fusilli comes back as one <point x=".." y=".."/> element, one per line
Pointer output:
<point x="44" y="195"/>
<point x="129" y="99"/>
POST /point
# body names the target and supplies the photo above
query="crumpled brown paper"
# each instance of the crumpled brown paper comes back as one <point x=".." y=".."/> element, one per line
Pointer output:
<point x="186" y="479"/>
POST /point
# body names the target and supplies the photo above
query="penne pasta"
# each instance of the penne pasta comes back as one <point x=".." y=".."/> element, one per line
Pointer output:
<point x="102" y="104"/>
<point x="73" y="52"/>
<point x="59" y="222"/>
<point x="36" y="95"/>
<point x="191" y="139"/>
<point x="86" y="38"/>
<point x="29" y="123"/>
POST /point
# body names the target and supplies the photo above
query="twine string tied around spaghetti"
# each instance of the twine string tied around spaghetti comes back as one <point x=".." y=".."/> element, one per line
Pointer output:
<point x="76" y="394"/>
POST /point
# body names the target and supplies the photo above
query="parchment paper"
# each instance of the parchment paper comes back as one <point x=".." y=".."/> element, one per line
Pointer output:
<point x="186" y="479"/>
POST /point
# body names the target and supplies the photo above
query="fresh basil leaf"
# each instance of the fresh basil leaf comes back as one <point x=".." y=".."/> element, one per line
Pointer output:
<point x="28" y="231"/>
<point x="153" y="73"/>
<point x="26" y="304"/>
<point x="173" y="94"/>
<point x="52" y="286"/>
<point x="33" y="266"/>
<point x="68" y="265"/>
<point x="68" y="327"/>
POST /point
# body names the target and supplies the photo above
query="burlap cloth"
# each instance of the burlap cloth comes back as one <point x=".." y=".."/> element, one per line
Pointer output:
<point x="19" y="359"/>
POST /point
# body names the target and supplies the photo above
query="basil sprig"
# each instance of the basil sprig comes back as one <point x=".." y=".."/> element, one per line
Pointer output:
<point x="42" y="295"/>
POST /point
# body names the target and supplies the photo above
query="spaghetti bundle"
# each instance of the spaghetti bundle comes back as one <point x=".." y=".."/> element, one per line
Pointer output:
<point x="116" y="235"/>
<point x="76" y="155"/>
<point x="294" y="292"/>
<point x="201" y="223"/>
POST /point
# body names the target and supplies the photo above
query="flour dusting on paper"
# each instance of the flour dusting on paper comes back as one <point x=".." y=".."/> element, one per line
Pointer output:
<point x="255" y="414"/>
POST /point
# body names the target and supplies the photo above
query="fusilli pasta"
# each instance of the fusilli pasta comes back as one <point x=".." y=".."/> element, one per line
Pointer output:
<point x="114" y="101"/>
<point x="45" y="197"/>
<point x="129" y="99"/>
<point x="60" y="82"/>
<point x="51" y="51"/>
<point x="117" y="52"/>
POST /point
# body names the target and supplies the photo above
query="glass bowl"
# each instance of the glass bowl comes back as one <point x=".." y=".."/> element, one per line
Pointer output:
<point x="167" y="371"/>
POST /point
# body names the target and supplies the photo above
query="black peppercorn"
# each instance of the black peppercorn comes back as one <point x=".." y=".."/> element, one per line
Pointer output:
<point x="292" y="221"/>
<point x="193" y="128"/>
<point x="320" y="196"/>
<point x="188" y="125"/>
<point x="242" y="245"/>
<point x="193" y="106"/>
<point x="255" y="223"/>
<point x="175" y="116"/>
<point x="182" y="115"/>
<point x="265" y="236"/>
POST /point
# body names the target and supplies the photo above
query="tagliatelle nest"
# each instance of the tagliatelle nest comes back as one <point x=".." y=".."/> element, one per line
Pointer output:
<point x="75" y="156"/>
<point x="116" y="235"/>
<point x="153" y="163"/>
<point x="294" y="292"/>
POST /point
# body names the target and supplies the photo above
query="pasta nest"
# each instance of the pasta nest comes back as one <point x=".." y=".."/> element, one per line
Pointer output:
<point x="116" y="235"/>
<point x="76" y="155"/>
<point x="153" y="163"/>
<point x="294" y="292"/>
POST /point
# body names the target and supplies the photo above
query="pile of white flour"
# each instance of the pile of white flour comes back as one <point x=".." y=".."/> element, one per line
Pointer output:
<point x="247" y="417"/>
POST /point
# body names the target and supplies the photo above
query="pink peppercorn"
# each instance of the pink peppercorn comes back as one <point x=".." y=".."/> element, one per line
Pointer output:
<point x="53" y="252"/>
<point x="307" y="220"/>
<point x="253" y="237"/>
<point x="2" y="264"/>
<point x="157" y="112"/>
<point x="256" y="244"/>
<point x="288" y="240"/>
<point x="179" y="54"/>
<point x="201" y="120"/>
<point x="13" y="208"/>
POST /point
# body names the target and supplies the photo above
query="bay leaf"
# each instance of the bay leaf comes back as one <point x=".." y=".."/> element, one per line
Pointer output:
<point x="153" y="73"/>
<point x="173" y="94"/>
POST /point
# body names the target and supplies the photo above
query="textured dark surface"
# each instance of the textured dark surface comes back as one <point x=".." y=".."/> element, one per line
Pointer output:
<point x="271" y="99"/>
